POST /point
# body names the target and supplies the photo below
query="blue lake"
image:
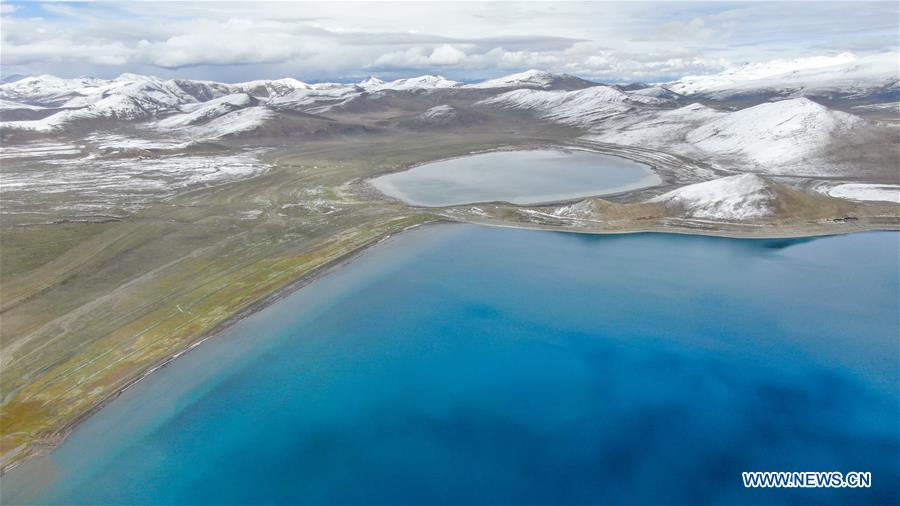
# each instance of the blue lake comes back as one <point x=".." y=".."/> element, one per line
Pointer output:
<point x="470" y="365"/>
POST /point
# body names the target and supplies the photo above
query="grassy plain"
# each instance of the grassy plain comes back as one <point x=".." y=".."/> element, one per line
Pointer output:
<point x="87" y="308"/>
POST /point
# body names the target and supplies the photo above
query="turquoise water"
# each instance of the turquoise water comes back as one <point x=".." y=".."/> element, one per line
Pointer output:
<point x="469" y="365"/>
<point x="519" y="177"/>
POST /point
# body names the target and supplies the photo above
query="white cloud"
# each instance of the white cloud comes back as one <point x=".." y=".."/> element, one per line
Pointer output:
<point x="9" y="8"/>
<point x="64" y="50"/>
<point x="446" y="55"/>
<point x="421" y="57"/>
<point x="314" y="41"/>
<point x="27" y="42"/>
<point x="233" y="42"/>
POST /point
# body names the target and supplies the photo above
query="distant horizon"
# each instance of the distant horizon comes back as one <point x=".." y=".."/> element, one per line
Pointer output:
<point x="359" y="78"/>
<point x="607" y="42"/>
<point x="339" y="80"/>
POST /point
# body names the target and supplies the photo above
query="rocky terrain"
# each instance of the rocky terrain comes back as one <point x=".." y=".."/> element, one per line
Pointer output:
<point x="140" y="215"/>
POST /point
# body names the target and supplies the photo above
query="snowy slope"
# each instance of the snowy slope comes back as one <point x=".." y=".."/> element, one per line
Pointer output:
<point x="205" y="111"/>
<point x="776" y="133"/>
<point x="740" y="197"/>
<point x="113" y="107"/>
<point x="582" y="107"/>
<point x="795" y="136"/>
<point x="315" y="100"/>
<point x="662" y="129"/>
<point x="6" y="105"/>
<point x="844" y="74"/>
<point x="234" y="123"/>
<point x="203" y="91"/>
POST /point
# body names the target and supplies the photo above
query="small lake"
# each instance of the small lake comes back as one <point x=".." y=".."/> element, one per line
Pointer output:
<point x="518" y="177"/>
<point x="473" y="365"/>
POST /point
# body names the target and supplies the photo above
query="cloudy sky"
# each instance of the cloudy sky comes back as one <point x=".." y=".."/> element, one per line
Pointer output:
<point x="605" y="41"/>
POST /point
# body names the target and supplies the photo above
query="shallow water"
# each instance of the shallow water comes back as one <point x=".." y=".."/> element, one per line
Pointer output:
<point x="519" y="177"/>
<point x="469" y="365"/>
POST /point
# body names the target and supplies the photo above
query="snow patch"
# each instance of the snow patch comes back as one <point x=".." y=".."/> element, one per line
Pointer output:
<point x="864" y="191"/>
<point x="440" y="112"/>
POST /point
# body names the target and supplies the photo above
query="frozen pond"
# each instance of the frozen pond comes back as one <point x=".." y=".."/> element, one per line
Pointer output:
<point x="519" y="177"/>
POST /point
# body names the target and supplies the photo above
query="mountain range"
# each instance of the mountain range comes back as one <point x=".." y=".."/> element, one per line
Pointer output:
<point x="818" y="117"/>
<point x="49" y="104"/>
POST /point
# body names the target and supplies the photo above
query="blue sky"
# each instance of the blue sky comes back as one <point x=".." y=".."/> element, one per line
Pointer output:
<point x="605" y="41"/>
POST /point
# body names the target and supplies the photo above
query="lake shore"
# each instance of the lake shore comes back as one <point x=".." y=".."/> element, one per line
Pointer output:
<point x="271" y="255"/>
<point x="734" y="231"/>
<point x="56" y="438"/>
<point x="507" y="246"/>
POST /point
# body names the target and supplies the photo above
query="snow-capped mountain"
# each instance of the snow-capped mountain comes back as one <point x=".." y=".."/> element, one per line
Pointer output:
<point x="46" y="90"/>
<point x="776" y="133"/>
<point x="790" y="136"/>
<point x="845" y="75"/>
<point x="767" y="137"/>
<point x="128" y="97"/>
<point x="581" y="108"/>
<point x="428" y="82"/>
<point x="270" y="88"/>
<point x="132" y="97"/>
<point x="732" y="198"/>
<point x="143" y="95"/>
<point x="537" y="79"/>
